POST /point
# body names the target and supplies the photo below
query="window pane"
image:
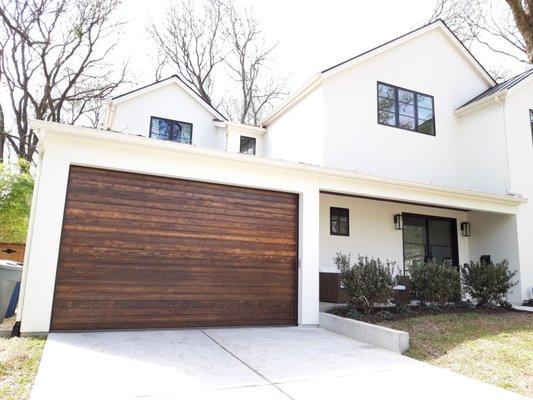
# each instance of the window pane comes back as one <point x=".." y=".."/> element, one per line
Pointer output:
<point x="343" y="227"/>
<point x="441" y="253"/>
<point x="414" y="255"/>
<point x="424" y="113"/>
<point x="406" y="97"/>
<point x="160" y="129"/>
<point x="440" y="232"/>
<point x="385" y="104"/>
<point x="334" y="224"/>
<point x="406" y="109"/>
<point x="387" y="118"/>
<point x="386" y="91"/>
<point x="426" y="127"/>
<point x="424" y="101"/>
<point x="247" y="145"/>
<point x="407" y="122"/>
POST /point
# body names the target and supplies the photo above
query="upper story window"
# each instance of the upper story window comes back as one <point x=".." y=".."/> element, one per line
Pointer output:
<point x="168" y="129"/>
<point x="406" y="109"/>
<point x="339" y="221"/>
<point x="247" y="145"/>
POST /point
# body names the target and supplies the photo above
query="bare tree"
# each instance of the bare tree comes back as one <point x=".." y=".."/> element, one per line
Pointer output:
<point x="190" y="43"/>
<point x="3" y="134"/>
<point x="53" y="60"/>
<point x="250" y="64"/>
<point x="503" y="26"/>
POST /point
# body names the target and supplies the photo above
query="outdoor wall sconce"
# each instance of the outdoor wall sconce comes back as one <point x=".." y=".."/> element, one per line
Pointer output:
<point x="465" y="229"/>
<point x="398" y="222"/>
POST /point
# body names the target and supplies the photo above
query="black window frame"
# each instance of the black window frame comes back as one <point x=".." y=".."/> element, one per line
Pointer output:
<point x="397" y="113"/>
<point x="254" y="140"/>
<point x="172" y="121"/>
<point x="339" y="212"/>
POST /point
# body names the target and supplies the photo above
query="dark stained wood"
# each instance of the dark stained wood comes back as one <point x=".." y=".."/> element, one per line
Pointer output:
<point x="140" y="251"/>
<point x="330" y="288"/>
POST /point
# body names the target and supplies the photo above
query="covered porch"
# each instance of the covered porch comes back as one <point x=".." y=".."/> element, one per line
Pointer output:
<point x="409" y="233"/>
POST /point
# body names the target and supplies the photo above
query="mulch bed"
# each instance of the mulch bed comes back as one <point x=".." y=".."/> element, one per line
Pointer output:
<point x="402" y="313"/>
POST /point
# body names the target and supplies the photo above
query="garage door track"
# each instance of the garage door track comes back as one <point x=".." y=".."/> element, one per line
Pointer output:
<point x="240" y="363"/>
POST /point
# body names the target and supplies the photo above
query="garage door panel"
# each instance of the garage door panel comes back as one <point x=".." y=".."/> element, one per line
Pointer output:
<point x="146" y="252"/>
<point x="89" y="196"/>
<point x="134" y="225"/>
<point x="116" y="178"/>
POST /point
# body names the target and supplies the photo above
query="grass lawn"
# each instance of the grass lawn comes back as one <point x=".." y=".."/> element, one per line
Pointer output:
<point x="19" y="360"/>
<point x="493" y="347"/>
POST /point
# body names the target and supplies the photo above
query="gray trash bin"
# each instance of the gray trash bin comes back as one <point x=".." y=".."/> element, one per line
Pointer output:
<point x="10" y="273"/>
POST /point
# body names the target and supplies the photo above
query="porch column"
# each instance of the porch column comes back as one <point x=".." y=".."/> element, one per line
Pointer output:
<point x="308" y="269"/>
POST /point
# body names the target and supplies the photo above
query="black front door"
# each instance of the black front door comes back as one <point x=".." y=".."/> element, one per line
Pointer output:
<point x="426" y="237"/>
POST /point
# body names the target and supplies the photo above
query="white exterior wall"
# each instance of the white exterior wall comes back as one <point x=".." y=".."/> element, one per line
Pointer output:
<point x="299" y="134"/>
<point x="372" y="230"/>
<point x="234" y="140"/>
<point x="355" y="141"/>
<point x="482" y="154"/>
<point x="170" y="101"/>
<point x="496" y="235"/>
<point x="519" y="137"/>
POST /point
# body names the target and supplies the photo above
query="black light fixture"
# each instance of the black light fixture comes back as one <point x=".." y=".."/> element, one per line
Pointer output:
<point x="465" y="229"/>
<point x="398" y="222"/>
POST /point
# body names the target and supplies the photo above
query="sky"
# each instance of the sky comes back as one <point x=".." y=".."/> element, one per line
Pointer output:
<point x="311" y="35"/>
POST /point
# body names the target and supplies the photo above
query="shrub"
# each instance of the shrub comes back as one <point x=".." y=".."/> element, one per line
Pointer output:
<point x="488" y="283"/>
<point x="367" y="282"/>
<point x="435" y="283"/>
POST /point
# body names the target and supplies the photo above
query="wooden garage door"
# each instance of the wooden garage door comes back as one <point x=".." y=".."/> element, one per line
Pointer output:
<point x="140" y="251"/>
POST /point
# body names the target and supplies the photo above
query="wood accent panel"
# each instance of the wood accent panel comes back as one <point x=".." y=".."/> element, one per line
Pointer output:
<point x="140" y="251"/>
<point x="330" y="288"/>
<point x="12" y="251"/>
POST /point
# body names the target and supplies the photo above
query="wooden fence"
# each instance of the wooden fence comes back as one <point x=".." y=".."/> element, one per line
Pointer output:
<point x="12" y="251"/>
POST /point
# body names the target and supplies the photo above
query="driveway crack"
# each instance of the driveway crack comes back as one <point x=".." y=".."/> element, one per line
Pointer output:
<point x="247" y="365"/>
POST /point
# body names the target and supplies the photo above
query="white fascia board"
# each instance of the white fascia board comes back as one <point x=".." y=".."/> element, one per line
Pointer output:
<point x="234" y="126"/>
<point x="501" y="95"/>
<point x="173" y="80"/>
<point x="44" y="128"/>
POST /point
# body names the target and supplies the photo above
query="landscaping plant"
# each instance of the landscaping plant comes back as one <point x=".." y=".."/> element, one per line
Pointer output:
<point x="434" y="283"/>
<point x="488" y="283"/>
<point x="367" y="282"/>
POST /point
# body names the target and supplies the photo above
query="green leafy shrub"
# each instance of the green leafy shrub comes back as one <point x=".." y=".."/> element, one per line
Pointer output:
<point x="434" y="283"/>
<point x="367" y="282"/>
<point x="16" y="187"/>
<point x="488" y="283"/>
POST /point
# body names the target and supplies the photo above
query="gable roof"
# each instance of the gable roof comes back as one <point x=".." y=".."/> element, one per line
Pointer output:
<point x="438" y="24"/>
<point x="173" y="79"/>
<point x="499" y="88"/>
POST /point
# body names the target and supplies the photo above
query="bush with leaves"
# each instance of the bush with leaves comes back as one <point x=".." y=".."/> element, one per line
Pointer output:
<point x="367" y="282"/>
<point x="16" y="187"/>
<point x="434" y="283"/>
<point x="488" y="283"/>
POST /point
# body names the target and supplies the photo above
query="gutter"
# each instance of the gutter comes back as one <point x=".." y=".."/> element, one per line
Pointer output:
<point x="501" y="101"/>
<point x="70" y="130"/>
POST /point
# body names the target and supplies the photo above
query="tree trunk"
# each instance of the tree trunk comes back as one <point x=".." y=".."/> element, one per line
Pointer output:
<point x="523" y="15"/>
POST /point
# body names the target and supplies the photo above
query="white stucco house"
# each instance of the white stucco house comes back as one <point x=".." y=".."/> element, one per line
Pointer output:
<point x="172" y="216"/>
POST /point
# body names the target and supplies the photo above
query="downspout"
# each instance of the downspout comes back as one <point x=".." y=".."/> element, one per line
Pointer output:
<point x="20" y="306"/>
<point x="500" y="101"/>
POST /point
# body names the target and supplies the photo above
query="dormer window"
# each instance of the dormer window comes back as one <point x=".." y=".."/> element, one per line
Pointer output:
<point x="247" y="145"/>
<point x="405" y="109"/>
<point x="168" y="129"/>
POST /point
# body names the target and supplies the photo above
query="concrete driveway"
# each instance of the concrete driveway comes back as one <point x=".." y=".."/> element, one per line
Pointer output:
<point x="241" y="363"/>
